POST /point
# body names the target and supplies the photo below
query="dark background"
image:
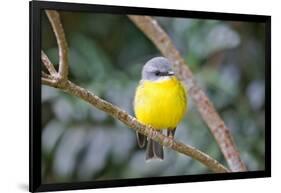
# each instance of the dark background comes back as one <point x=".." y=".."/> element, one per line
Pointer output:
<point x="106" y="54"/>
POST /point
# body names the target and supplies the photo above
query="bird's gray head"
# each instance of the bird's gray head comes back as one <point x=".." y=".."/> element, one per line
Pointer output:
<point x="156" y="69"/>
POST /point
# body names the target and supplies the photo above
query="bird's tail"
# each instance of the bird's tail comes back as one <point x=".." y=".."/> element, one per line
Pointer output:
<point x="154" y="150"/>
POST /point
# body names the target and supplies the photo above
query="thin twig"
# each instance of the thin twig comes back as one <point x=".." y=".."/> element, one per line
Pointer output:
<point x="46" y="81"/>
<point x="45" y="75"/>
<point x="55" y="21"/>
<point x="162" y="41"/>
<point x="47" y="63"/>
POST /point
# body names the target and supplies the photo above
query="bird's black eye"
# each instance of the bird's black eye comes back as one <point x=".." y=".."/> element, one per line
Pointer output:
<point x="157" y="73"/>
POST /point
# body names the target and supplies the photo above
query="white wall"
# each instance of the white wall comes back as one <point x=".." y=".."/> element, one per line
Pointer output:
<point x="14" y="94"/>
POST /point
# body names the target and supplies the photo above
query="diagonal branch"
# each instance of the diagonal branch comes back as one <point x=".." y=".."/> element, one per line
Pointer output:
<point x="45" y="75"/>
<point x="221" y="132"/>
<point x="54" y="19"/>
<point x="132" y="122"/>
<point x="47" y="63"/>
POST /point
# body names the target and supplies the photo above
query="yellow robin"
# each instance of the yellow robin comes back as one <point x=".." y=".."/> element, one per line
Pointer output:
<point x="160" y="101"/>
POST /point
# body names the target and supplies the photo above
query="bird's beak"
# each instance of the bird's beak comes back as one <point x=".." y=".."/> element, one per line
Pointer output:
<point x="171" y="73"/>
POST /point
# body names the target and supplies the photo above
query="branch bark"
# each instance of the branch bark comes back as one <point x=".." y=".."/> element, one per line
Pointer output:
<point x="82" y="93"/>
<point x="221" y="132"/>
<point x="47" y="63"/>
<point x="55" y="21"/>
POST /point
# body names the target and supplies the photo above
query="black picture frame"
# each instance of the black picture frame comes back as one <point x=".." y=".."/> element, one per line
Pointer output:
<point x="36" y="8"/>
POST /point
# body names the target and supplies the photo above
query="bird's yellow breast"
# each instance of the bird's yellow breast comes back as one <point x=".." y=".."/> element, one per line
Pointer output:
<point x="160" y="104"/>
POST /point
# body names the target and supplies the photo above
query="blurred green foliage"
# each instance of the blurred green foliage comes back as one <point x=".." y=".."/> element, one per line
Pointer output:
<point x="106" y="54"/>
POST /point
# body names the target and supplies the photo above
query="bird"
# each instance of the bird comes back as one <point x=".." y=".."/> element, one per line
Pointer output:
<point x="160" y="101"/>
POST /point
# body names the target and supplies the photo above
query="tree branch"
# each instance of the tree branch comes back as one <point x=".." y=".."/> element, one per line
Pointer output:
<point x="148" y="131"/>
<point x="54" y="19"/>
<point x="49" y="82"/>
<point x="131" y="122"/>
<point x="44" y="75"/>
<point x="82" y="93"/>
<point x="161" y="40"/>
<point x="47" y="63"/>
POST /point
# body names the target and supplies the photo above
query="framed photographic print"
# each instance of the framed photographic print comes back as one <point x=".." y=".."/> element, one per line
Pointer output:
<point x="126" y="96"/>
